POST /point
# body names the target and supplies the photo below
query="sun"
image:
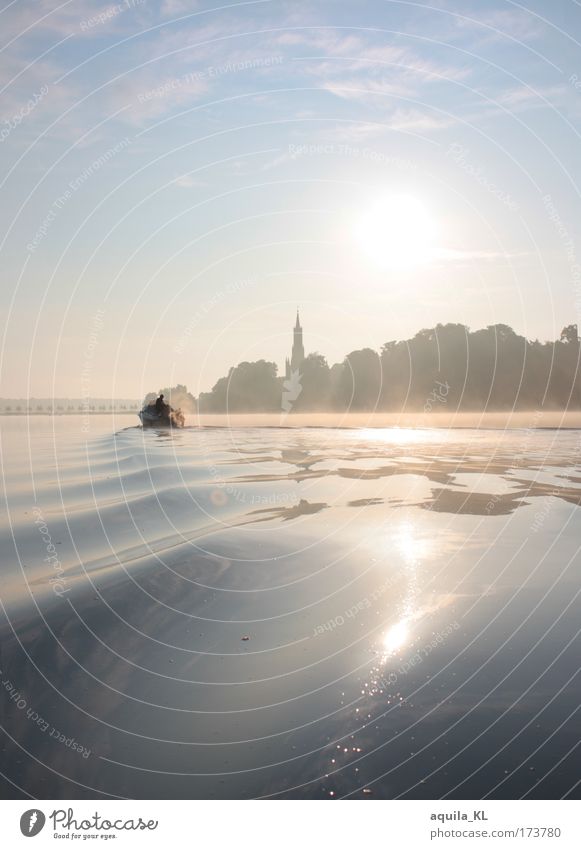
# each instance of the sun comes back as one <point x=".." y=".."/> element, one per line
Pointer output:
<point x="397" y="232"/>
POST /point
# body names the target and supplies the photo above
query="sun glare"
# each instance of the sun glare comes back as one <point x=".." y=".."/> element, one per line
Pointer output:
<point x="396" y="637"/>
<point x="397" y="232"/>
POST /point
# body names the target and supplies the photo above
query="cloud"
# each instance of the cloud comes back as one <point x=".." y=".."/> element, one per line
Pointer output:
<point x="23" y="22"/>
<point x="355" y="133"/>
<point x="415" y="120"/>
<point x="500" y="25"/>
<point x="175" y="8"/>
<point x="150" y="97"/>
<point x="186" y="181"/>
<point x="280" y="159"/>
<point x="365" y="90"/>
<point x="516" y="101"/>
<point x="27" y="83"/>
<point x="527" y="97"/>
<point x="361" y="69"/>
<point x="182" y="65"/>
<point x="354" y="54"/>
<point x="446" y="255"/>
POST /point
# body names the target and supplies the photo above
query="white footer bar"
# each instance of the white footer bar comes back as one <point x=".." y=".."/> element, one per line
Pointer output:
<point x="293" y="824"/>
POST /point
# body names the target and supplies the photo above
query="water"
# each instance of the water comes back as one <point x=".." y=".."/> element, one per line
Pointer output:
<point x="312" y="613"/>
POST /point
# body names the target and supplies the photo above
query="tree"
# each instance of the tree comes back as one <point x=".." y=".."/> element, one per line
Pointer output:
<point x="314" y="383"/>
<point x="361" y="381"/>
<point x="249" y="387"/>
<point x="487" y="369"/>
<point x="177" y="397"/>
<point x="569" y="334"/>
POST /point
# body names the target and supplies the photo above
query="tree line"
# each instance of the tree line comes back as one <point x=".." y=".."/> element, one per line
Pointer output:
<point x="489" y="369"/>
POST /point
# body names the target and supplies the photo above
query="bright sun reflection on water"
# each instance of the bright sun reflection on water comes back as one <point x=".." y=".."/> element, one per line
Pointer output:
<point x="396" y="637"/>
<point x="412" y="548"/>
<point x="409" y="545"/>
<point x="396" y="435"/>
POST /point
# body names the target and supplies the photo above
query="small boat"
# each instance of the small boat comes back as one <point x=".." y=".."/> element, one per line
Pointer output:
<point x="151" y="418"/>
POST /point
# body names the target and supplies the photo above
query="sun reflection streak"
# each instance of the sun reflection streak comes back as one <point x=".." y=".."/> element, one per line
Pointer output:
<point x="396" y="435"/>
<point x="410" y="546"/>
<point x="412" y="549"/>
<point x="396" y="637"/>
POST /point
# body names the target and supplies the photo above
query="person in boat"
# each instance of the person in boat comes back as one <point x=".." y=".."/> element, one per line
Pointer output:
<point x="161" y="408"/>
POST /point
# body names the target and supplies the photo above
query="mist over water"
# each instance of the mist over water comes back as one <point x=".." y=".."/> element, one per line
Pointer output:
<point x="294" y="612"/>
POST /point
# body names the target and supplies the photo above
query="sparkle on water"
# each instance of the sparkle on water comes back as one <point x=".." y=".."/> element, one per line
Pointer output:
<point x="396" y="637"/>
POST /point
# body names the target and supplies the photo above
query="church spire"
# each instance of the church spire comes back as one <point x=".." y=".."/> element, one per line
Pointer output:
<point x="298" y="351"/>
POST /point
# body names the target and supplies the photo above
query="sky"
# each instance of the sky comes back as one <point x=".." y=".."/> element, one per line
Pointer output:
<point x="177" y="177"/>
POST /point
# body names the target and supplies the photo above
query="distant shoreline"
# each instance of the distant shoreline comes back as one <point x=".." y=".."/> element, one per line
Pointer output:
<point x="500" y="420"/>
<point x="68" y="413"/>
<point x="533" y="419"/>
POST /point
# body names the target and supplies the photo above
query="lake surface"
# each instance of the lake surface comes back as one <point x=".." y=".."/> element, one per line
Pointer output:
<point x="289" y="613"/>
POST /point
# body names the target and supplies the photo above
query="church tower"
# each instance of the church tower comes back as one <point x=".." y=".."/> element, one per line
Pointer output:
<point x="298" y="351"/>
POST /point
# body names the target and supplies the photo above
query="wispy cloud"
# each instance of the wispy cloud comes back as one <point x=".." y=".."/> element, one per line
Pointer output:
<point x="365" y="90"/>
<point x="24" y="22"/>
<point x="186" y="181"/>
<point x="415" y="120"/>
<point x="174" y="8"/>
<point x="382" y="64"/>
<point x="527" y="97"/>
<point x="446" y="255"/>
<point x="500" y="24"/>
